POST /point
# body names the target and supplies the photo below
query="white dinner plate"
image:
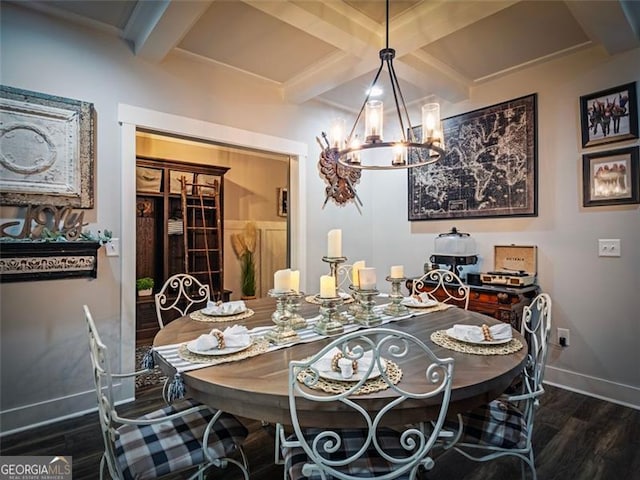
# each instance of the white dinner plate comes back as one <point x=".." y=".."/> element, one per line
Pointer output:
<point x="191" y="346"/>
<point x="357" y="376"/>
<point x="413" y="303"/>
<point x="483" y="342"/>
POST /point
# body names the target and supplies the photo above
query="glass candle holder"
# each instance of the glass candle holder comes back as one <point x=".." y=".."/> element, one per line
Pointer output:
<point x="396" y="309"/>
<point x="330" y="318"/>
<point x="282" y="332"/>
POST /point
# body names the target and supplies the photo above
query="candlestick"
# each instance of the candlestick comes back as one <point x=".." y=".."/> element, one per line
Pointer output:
<point x="292" y="305"/>
<point x="396" y="309"/>
<point x="334" y="263"/>
<point x="282" y="332"/>
<point x="365" y="315"/>
<point x="334" y="248"/>
<point x="329" y="323"/>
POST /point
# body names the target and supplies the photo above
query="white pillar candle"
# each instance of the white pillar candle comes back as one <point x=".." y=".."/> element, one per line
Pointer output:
<point x="334" y="243"/>
<point x="327" y="286"/>
<point x="397" y="271"/>
<point x="367" y="278"/>
<point x="294" y="280"/>
<point x="282" y="280"/>
<point x="355" y="272"/>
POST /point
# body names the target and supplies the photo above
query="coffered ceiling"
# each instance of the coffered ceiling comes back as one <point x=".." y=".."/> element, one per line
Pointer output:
<point x="328" y="50"/>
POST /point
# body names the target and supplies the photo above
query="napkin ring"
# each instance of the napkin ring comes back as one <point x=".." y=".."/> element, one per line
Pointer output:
<point x="486" y="333"/>
<point x="219" y="336"/>
<point x="336" y="358"/>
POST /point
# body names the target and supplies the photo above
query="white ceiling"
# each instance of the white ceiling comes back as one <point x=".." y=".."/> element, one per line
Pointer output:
<point x="328" y="50"/>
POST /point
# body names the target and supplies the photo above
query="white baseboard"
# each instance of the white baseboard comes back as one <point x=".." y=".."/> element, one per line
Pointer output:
<point x="619" y="393"/>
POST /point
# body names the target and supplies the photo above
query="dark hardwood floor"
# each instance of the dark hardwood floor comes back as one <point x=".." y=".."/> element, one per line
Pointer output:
<point x="576" y="437"/>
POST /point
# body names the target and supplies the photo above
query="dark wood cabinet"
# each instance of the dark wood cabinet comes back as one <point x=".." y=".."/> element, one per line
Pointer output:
<point x="168" y="243"/>
<point x="502" y="303"/>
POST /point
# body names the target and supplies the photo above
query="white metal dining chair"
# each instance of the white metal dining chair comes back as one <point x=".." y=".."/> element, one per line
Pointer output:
<point x="450" y="287"/>
<point x="504" y="427"/>
<point x="367" y="449"/>
<point x="164" y="441"/>
<point x="180" y="294"/>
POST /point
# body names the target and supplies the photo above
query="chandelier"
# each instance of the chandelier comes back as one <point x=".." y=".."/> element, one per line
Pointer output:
<point x="349" y="151"/>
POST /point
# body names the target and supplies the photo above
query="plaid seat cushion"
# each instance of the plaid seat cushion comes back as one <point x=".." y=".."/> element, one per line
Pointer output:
<point x="497" y="423"/>
<point x="370" y="465"/>
<point x="150" y="451"/>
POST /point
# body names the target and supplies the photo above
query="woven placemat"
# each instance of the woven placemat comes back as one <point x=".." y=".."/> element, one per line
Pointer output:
<point x="436" y="308"/>
<point x="201" y="317"/>
<point x="337" y="387"/>
<point x="258" y="346"/>
<point x="440" y="337"/>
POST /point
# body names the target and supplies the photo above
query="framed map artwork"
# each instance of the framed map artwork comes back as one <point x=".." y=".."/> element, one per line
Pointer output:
<point x="490" y="168"/>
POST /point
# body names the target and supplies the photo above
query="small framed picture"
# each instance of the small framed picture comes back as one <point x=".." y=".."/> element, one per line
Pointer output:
<point x="611" y="178"/>
<point x="609" y="115"/>
<point x="283" y="202"/>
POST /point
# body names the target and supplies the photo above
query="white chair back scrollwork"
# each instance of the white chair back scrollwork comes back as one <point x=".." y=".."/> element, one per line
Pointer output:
<point x="369" y="448"/>
<point x="504" y="427"/>
<point x="179" y="295"/>
<point x="444" y="286"/>
<point x="164" y="441"/>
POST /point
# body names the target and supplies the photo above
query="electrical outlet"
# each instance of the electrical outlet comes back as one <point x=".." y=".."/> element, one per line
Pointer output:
<point x="563" y="337"/>
<point x="609" y="247"/>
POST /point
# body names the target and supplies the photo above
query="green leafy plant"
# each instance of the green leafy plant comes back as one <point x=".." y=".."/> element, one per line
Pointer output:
<point x="244" y="244"/>
<point x="144" y="283"/>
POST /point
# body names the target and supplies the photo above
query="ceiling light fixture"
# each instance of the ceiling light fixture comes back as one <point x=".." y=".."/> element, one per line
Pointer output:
<point x="347" y="151"/>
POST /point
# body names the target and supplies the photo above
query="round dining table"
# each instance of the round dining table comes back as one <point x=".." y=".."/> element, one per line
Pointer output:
<point x="257" y="387"/>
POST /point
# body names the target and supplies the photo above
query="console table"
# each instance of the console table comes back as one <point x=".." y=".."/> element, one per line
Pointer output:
<point x="498" y="301"/>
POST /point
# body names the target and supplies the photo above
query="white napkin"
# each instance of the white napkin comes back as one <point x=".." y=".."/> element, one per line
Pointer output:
<point x="473" y="333"/>
<point x="421" y="300"/>
<point x="236" y="336"/>
<point x="324" y="363"/>
<point x="226" y="308"/>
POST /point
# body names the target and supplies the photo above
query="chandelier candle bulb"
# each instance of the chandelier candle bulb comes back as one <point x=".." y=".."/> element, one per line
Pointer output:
<point x="337" y="133"/>
<point x="367" y="278"/>
<point x="327" y="286"/>
<point x="430" y="122"/>
<point x="334" y="243"/>
<point x="282" y="280"/>
<point x="373" y="121"/>
<point x="397" y="271"/>
<point x="355" y="272"/>
<point x="398" y="154"/>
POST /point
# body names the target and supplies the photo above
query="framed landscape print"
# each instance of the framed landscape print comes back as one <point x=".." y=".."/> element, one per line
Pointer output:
<point x="489" y="168"/>
<point x="609" y="115"/>
<point x="611" y="178"/>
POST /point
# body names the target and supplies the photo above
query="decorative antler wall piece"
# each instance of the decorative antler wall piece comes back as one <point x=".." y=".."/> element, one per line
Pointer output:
<point x="340" y="179"/>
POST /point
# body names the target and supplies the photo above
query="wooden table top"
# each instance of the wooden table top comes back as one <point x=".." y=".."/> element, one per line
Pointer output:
<point x="257" y="387"/>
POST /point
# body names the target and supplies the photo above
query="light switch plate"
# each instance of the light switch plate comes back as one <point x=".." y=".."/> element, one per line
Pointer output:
<point x="609" y="247"/>
<point x="113" y="247"/>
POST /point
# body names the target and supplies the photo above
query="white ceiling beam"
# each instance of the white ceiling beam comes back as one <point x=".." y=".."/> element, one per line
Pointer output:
<point x="155" y="28"/>
<point x="605" y="22"/>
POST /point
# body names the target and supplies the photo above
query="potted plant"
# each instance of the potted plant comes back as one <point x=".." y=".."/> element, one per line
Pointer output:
<point x="144" y="286"/>
<point x="244" y="244"/>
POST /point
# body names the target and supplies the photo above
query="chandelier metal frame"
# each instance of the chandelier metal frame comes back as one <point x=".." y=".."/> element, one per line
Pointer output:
<point x="427" y="152"/>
